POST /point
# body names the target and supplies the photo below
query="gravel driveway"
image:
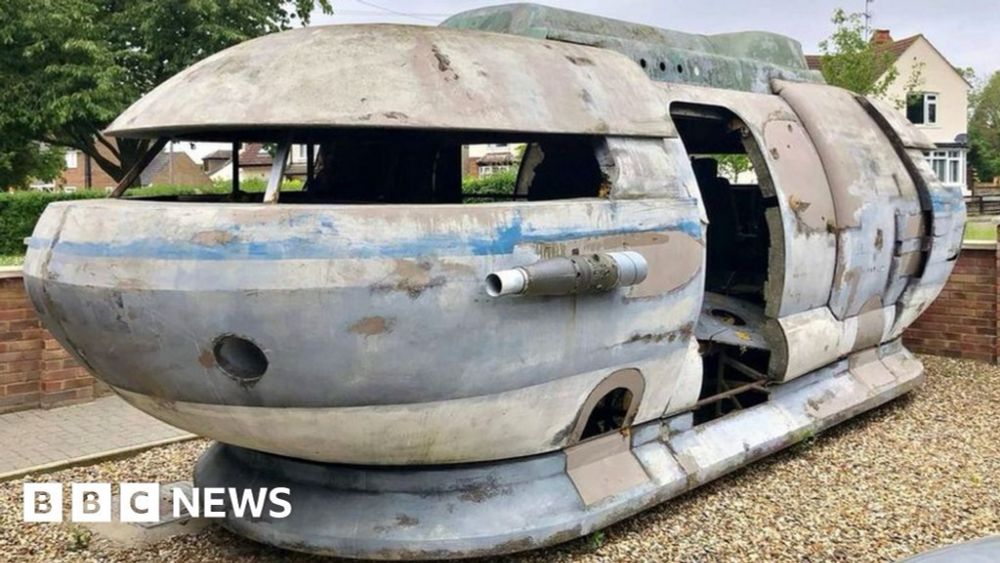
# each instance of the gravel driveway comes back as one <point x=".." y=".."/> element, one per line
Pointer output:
<point x="921" y="472"/>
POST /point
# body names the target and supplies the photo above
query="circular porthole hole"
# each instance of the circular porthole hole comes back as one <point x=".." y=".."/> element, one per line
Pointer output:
<point x="680" y="68"/>
<point x="642" y="63"/>
<point x="240" y="358"/>
<point x="728" y="317"/>
<point x="663" y="66"/>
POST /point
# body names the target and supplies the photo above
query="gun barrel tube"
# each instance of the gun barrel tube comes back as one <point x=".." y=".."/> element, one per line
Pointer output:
<point x="570" y="275"/>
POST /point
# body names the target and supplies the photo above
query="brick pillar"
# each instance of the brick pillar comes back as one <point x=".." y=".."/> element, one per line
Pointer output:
<point x="20" y="348"/>
<point x="962" y="322"/>
<point x="35" y="371"/>
<point x="996" y="289"/>
<point x="62" y="380"/>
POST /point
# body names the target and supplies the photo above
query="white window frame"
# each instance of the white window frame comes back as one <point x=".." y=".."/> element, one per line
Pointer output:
<point x="930" y="99"/>
<point x="948" y="165"/>
<point x="300" y="153"/>
<point x="72" y="159"/>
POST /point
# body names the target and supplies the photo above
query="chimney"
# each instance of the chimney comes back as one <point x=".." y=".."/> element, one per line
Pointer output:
<point x="881" y="37"/>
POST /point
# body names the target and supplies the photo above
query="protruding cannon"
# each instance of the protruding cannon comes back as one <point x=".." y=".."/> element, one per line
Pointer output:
<point x="570" y="275"/>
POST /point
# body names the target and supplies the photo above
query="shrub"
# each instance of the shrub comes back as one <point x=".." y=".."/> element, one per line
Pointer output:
<point x="19" y="211"/>
<point x="488" y="187"/>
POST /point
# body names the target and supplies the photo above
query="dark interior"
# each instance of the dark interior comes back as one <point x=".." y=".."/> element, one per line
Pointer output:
<point x="738" y="243"/>
<point x="406" y="166"/>
<point x="738" y="238"/>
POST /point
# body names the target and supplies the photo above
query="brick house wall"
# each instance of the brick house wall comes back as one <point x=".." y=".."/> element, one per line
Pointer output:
<point x="75" y="176"/>
<point x="962" y="322"/>
<point x="35" y="371"/>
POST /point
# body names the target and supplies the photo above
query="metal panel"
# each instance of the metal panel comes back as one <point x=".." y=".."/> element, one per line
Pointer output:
<point x="808" y="341"/>
<point x="869" y="183"/>
<point x="393" y="76"/>
<point x="368" y="285"/>
<point x="518" y="504"/>
<point x="740" y="61"/>
<point x="803" y="249"/>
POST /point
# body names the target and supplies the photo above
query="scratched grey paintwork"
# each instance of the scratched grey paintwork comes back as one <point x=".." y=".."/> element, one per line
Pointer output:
<point x="803" y="250"/>
<point x="489" y="509"/>
<point x="384" y="348"/>
<point x="400" y="77"/>
<point x="369" y="287"/>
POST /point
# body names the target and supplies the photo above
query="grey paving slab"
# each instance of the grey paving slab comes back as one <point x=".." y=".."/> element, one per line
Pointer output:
<point x="41" y="440"/>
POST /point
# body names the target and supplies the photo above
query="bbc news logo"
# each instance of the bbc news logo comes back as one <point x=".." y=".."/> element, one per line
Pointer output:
<point x="140" y="502"/>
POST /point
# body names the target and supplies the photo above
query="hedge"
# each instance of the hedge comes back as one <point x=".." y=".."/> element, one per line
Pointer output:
<point x="500" y="183"/>
<point x="19" y="211"/>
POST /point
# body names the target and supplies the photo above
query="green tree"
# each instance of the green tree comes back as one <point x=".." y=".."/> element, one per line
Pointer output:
<point x="984" y="130"/>
<point x="851" y="61"/>
<point x="68" y="67"/>
<point x="20" y="162"/>
<point x="732" y="165"/>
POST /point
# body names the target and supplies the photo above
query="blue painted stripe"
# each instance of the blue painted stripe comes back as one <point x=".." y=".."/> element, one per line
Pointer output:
<point x="323" y="246"/>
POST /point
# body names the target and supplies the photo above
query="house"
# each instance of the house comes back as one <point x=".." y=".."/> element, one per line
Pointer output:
<point x="937" y="102"/>
<point x="483" y="160"/>
<point x="167" y="168"/>
<point x="81" y="172"/>
<point x="255" y="162"/>
<point x="174" y="169"/>
<point x="215" y="161"/>
<point x="494" y="162"/>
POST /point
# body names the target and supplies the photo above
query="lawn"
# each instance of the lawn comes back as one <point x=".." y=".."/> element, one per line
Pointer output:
<point x="981" y="231"/>
<point x="11" y="260"/>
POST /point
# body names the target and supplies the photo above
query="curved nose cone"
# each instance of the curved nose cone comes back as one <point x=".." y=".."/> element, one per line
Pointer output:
<point x="357" y="334"/>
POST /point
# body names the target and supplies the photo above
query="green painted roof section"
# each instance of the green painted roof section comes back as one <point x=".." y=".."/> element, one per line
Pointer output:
<point x="738" y="61"/>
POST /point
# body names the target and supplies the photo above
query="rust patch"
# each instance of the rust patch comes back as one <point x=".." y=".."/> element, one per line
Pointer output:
<point x="206" y="358"/>
<point x="213" y="238"/>
<point x="371" y="326"/>
<point x="456" y="268"/>
<point x="879" y="239"/>
<point x="798" y="206"/>
<point x="395" y="115"/>
<point x="412" y="277"/>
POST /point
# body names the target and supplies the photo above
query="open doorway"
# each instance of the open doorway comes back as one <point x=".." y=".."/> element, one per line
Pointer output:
<point x="735" y="187"/>
<point x="729" y="169"/>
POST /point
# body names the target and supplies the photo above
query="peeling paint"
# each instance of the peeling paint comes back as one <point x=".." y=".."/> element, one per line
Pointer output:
<point x="371" y="326"/>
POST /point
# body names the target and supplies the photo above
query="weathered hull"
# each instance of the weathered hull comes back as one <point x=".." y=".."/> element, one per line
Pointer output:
<point x="432" y="512"/>
<point x="344" y="341"/>
<point x="374" y="322"/>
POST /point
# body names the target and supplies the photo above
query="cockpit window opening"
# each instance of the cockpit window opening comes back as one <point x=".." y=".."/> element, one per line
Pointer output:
<point x="405" y="166"/>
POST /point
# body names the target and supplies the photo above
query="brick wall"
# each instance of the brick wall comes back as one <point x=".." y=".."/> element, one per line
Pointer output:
<point x="76" y="177"/>
<point x="35" y="371"/>
<point x="962" y="322"/>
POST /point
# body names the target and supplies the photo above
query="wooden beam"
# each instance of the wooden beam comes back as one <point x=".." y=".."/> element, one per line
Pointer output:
<point x="133" y="174"/>
<point x="277" y="172"/>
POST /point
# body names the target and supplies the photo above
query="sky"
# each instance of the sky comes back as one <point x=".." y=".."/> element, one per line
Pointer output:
<point x="967" y="32"/>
